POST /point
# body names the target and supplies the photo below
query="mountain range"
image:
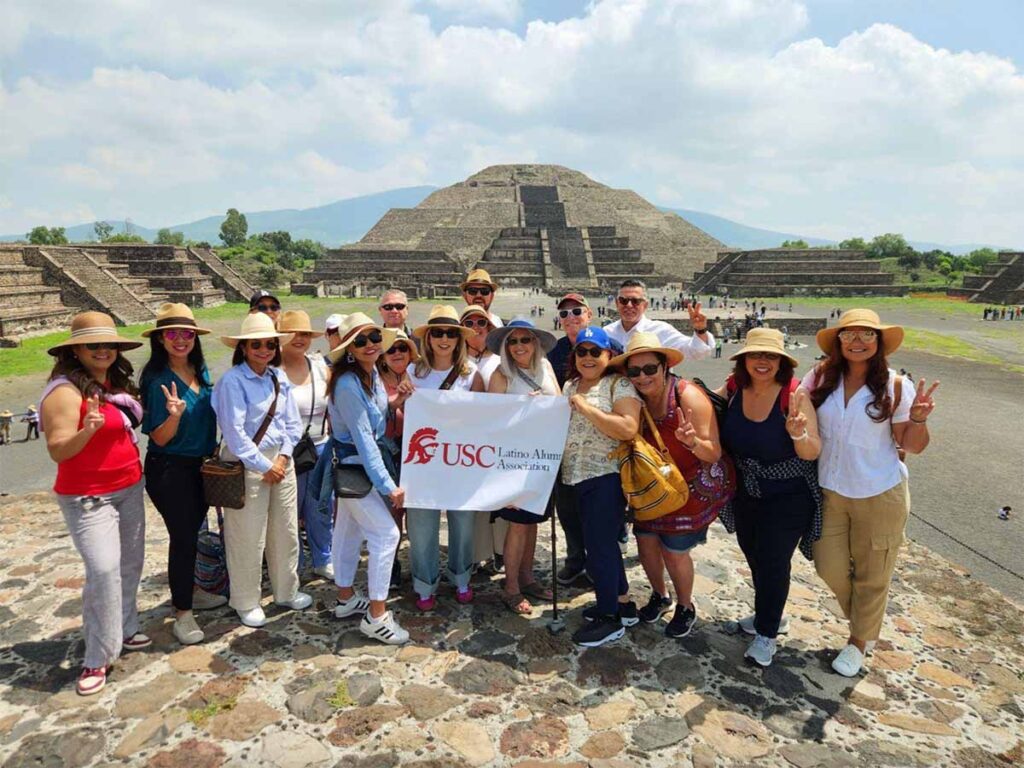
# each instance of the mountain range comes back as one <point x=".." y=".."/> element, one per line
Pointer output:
<point x="346" y="221"/>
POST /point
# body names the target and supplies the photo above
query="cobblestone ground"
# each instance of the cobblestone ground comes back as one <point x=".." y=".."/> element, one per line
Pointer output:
<point x="478" y="686"/>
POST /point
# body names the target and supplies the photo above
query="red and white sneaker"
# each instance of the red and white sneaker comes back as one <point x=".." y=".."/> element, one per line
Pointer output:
<point x="92" y="680"/>
<point x="136" y="642"/>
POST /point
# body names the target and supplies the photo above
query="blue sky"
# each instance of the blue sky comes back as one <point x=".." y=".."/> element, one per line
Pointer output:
<point x="827" y="117"/>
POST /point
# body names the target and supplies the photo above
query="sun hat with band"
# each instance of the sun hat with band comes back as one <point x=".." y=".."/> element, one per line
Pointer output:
<point x="394" y="336"/>
<point x="94" y="328"/>
<point x="256" y="326"/>
<point x="175" y="316"/>
<point x="647" y="342"/>
<point x="479" y="276"/>
<point x="767" y="340"/>
<point x="475" y="309"/>
<point x="350" y="328"/>
<point x="892" y="335"/>
<point x="496" y="338"/>
<point x="296" y="321"/>
<point x="441" y="316"/>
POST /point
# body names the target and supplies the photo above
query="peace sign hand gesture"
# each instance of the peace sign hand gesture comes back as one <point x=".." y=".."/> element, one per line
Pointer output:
<point x="697" y="318"/>
<point x="685" y="433"/>
<point x="93" y="419"/>
<point x="923" y="404"/>
<point x="796" y="421"/>
<point x="175" y="405"/>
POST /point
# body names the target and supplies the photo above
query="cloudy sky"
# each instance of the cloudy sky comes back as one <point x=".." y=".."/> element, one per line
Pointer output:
<point x="824" y="117"/>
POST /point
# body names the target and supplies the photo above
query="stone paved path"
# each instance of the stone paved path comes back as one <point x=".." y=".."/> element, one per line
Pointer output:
<point x="479" y="686"/>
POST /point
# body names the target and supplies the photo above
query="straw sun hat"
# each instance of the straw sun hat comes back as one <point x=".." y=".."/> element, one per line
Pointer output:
<point x="394" y="335"/>
<point x="296" y="321"/>
<point x="765" y="340"/>
<point x="94" y="328"/>
<point x="478" y="276"/>
<point x="171" y="315"/>
<point x="647" y="342"/>
<point x="350" y="328"/>
<point x="256" y="326"/>
<point x="892" y="335"/>
<point x="442" y="316"/>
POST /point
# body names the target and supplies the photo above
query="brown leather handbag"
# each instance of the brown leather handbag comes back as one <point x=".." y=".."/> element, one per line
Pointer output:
<point x="224" y="481"/>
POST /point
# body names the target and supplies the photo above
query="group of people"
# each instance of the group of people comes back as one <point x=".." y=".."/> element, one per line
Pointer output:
<point x="784" y="462"/>
<point x="30" y="418"/>
<point x="1002" y="313"/>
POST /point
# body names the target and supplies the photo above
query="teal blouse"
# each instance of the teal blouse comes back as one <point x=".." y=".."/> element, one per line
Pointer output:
<point x="197" y="430"/>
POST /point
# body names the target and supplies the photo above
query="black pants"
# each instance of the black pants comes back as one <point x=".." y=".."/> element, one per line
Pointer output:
<point x="176" y="489"/>
<point x="33" y="431"/>
<point x="603" y="508"/>
<point x="768" y="531"/>
<point x="572" y="526"/>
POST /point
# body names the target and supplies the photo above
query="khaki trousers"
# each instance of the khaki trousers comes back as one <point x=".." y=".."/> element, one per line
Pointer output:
<point x="267" y="523"/>
<point x="856" y="555"/>
<point x="488" y="537"/>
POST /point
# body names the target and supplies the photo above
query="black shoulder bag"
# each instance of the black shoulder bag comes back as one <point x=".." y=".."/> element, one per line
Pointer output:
<point x="304" y="454"/>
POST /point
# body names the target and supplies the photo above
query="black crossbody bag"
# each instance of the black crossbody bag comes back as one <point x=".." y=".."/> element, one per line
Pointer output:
<point x="304" y="453"/>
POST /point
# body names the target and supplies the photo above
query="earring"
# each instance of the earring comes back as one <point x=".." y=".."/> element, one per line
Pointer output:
<point x="349" y="358"/>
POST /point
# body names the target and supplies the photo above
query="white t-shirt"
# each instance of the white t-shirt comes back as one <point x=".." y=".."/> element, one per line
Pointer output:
<point x="303" y="396"/>
<point x="434" y="379"/>
<point x="858" y="456"/>
<point x="486" y="366"/>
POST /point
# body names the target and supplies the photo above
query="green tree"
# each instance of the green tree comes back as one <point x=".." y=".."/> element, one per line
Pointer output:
<point x="889" y="246"/>
<point x="794" y="244"/>
<point x="280" y="241"/>
<point x="166" y="237"/>
<point x="234" y="228"/>
<point x="47" y="236"/>
<point x="103" y="230"/>
<point x="854" y="244"/>
<point x="308" y="250"/>
<point x="125" y="237"/>
<point x="982" y="256"/>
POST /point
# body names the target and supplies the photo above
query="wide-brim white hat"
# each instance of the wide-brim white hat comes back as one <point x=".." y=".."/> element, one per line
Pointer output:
<point x="256" y="325"/>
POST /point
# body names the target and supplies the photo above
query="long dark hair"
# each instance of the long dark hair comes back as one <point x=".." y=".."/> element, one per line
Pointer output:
<point x="741" y="376"/>
<point x="343" y="365"/>
<point x="159" y="361"/>
<point x="238" y="357"/>
<point x="119" y="375"/>
<point x="830" y="370"/>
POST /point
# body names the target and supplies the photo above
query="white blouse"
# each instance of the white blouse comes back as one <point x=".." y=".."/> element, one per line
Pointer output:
<point x="305" y="401"/>
<point x="434" y="379"/>
<point x="858" y="456"/>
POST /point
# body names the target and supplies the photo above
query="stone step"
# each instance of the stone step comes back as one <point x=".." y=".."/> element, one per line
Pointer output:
<point x="357" y="275"/>
<point x="601" y="232"/>
<point x="514" y="254"/>
<point x="520" y="232"/>
<point x="615" y="254"/>
<point x="537" y="195"/>
<point x="15" y="275"/>
<point x="809" y="278"/>
<point x="29" y="296"/>
<point x="154" y="268"/>
<point x="787" y="254"/>
<point x="737" y="291"/>
<point x="175" y="283"/>
<point x="516" y="243"/>
<point x="18" y="322"/>
<point x="11" y="258"/>
<point x="382" y="268"/>
<point x="517" y="268"/>
<point x="369" y="254"/>
<point x="624" y="267"/>
<point x="819" y="265"/>
<point x="209" y="297"/>
<point x="607" y="242"/>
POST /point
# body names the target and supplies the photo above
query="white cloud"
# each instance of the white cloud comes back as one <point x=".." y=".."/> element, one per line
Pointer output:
<point x="501" y="11"/>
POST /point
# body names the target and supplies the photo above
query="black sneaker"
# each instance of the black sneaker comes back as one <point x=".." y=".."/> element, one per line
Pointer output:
<point x="568" y="574"/>
<point x="604" y="629"/>
<point x="396" y="575"/>
<point x="590" y="613"/>
<point x="628" y="614"/>
<point x="682" y="622"/>
<point x="656" y="607"/>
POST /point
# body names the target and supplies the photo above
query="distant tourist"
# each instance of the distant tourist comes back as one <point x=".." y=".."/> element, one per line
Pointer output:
<point x="331" y="332"/>
<point x="89" y="412"/>
<point x="479" y="289"/>
<point x="32" y="420"/>
<point x="6" y="417"/>
<point x="394" y="310"/>
<point x="718" y="349"/>
<point x="866" y="413"/>
<point x="632" y="305"/>
<point x="1004" y="512"/>
<point x="266" y="302"/>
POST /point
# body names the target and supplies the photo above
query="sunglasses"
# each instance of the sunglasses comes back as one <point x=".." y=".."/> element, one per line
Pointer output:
<point x="478" y="323"/>
<point x="268" y="307"/>
<point x="584" y="351"/>
<point x="392" y="307"/>
<point x="398" y="349"/>
<point x="100" y="345"/>
<point x="575" y="312"/>
<point x="373" y="337"/>
<point x="444" y="333"/>
<point x="647" y="370"/>
<point x="771" y="356"/>
<point x="865" y="335"/>
<point x="624" y="300"/>
<point x="179" y="334"/>
<point x="484" y="291"/>
<point x="270" y="344"/>
<point x="521" y="340"/>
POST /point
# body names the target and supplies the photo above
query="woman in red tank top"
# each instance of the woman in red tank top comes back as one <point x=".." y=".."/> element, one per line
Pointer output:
<point x="89" y="411"/>
<point x="686" y="422"/>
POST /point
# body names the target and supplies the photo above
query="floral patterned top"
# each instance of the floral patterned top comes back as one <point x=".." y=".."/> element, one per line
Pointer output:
<point x="587" y="447"/>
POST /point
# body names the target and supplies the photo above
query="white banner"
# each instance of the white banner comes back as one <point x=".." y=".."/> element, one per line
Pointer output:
<point x="469" y="450"/>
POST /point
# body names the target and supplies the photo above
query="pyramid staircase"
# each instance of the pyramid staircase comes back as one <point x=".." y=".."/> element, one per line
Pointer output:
<point x="374" y="271"/>
<point x="28" y="306"/>
<point x="1000" y="282"/>
<point x="165" y="272"/>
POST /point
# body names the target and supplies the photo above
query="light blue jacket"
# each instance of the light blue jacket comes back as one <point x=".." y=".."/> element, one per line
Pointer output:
<point x="359" y="420"/>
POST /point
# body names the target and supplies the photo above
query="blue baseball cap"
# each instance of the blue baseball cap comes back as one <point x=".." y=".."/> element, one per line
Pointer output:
<point x="596" y="336"/>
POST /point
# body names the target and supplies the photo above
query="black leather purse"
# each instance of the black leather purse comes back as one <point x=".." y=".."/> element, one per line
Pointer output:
<point x="304" y="454"/>
<point x="350" y="481"/>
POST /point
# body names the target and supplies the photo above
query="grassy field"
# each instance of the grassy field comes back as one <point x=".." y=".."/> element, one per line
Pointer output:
<point x="936" y="304"/>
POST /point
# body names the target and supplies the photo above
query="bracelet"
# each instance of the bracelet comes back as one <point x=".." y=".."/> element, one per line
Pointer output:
<point x="692" y="448"/>
<point x="804" y="436"/>
<point x="699" y="331"/>
<point x="922" y="421"/>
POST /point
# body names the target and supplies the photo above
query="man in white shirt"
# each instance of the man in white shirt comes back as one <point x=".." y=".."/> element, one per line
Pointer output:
<point x="632" y="304"/>
<point x="479" y="289"/>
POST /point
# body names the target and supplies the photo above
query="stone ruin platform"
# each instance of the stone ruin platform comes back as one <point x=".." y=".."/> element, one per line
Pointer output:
<point x="1001" y="282"/>
<point x="529" y="225"/>
<point x="479" y="686"/>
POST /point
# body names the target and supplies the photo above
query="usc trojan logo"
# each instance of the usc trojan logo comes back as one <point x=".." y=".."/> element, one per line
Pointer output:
<point x="422" y="445"/>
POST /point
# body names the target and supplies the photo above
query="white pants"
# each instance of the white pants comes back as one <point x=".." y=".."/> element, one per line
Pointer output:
<point x="358" y="520"/>
<point x="488" y="537"/>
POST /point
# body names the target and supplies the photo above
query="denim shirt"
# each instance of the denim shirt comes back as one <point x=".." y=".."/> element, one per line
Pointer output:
<point x="241" y="400"/>
<point x="359" y="420"/>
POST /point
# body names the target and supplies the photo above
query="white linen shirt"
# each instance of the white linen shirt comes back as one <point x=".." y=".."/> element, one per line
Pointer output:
<point x="858" y="456"/>
<point x="691" y="346"/>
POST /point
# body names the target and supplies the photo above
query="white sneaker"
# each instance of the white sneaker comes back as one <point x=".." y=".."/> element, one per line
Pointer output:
<point x="187" y="631"/>
<point x="254" y="617"/>
<point x="355" y="605"/>
<point x="747" y="625"/>
<point x="385" y="629"/>
<point x="325" y="571"/>
<point x="298" y="602"/>
<point x="207" y="601"/>
<point x="849" y="661"/>
<point x="761" y="650"/>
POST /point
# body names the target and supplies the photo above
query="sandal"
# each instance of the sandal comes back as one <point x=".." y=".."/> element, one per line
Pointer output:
<point x="537" y="590"/>
<point x="516" y="603"/>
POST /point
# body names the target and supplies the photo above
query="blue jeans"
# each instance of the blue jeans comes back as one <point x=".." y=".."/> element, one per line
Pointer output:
<point x="319" y="527"/>
<point x="423" y="527"/>
<point x="602" y="510"/>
